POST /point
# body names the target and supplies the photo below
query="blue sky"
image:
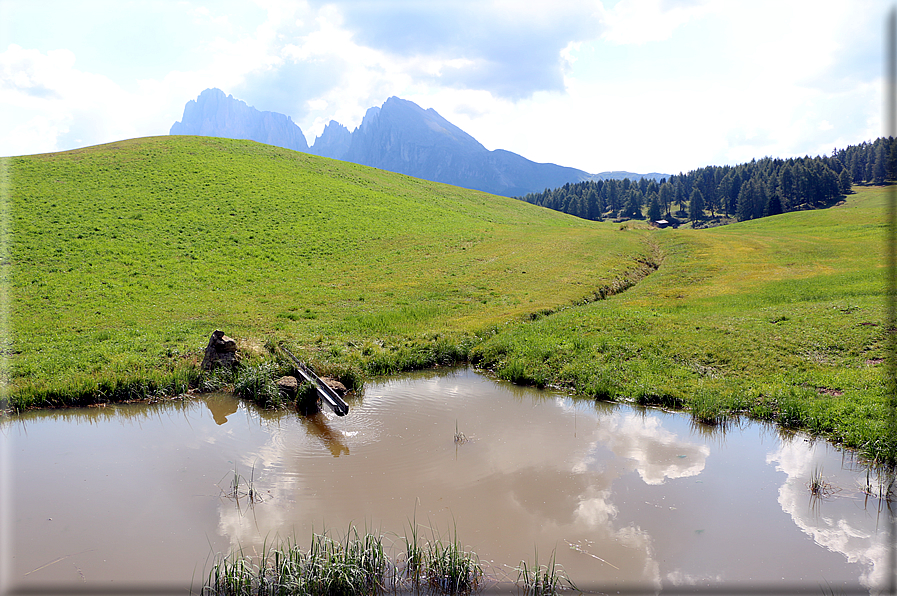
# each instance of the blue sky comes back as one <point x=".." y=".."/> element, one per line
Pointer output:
<point x="637" y="85"/>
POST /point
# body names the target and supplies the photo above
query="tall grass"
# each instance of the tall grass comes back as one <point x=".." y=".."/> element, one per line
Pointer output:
<point x="543" y="580"/>
<point x="449" y="568"/>
<point x="355" y="565"/>
<point x="123" y="386"/>
<point x="255" y="382"/>
<point x="352" y="567"/>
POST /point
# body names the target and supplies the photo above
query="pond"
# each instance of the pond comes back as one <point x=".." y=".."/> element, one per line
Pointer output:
<point x="134" y="496"/>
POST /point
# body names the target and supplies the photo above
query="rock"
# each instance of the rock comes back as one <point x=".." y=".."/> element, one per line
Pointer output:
<point x="338" y="387"/>
<point x="289" y="387"/>
<point x="221" y="351"/>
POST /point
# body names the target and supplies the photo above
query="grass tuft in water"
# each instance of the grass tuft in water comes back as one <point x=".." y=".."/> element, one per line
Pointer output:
<point x="239" y="488"/>
<point x="355" y="566"/>
<point x="255" y="382"/>
<point x="414" y="554"/>
<point x="307" y="398"/>
<point x="449" y="568"/>
<point x="884" y="485"/>
<point x="706" y="409"/>
<point x="818" y="486"/>
<point x="542" y="580"/>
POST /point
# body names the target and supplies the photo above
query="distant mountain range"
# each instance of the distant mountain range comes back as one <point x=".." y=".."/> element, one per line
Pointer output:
<point x="399" y="136"/>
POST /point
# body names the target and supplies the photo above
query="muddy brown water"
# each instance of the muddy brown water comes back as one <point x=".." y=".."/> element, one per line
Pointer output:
<point x="133" y="496"/>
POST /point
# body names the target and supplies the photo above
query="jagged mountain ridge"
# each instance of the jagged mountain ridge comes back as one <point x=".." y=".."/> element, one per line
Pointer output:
<point x="402" y="137"/>
<point x="214" y="114"/>
<point x="399" y="136"/>
<point x="334" y="142"/>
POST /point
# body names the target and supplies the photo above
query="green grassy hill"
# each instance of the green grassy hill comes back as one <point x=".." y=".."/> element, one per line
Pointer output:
<point x="123" y="258"/>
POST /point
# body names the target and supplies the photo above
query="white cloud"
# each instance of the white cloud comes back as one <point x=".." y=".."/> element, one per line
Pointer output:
<point x="643" y="85"/>
<point x="643" y="21"/>
<point x="36" y="135"/>
<point x="57" y="100"/>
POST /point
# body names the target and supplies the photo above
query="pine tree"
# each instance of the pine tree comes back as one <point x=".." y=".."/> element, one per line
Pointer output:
<point x="653" y="207"/>
<point x="593" y="208"/>
<point x="891" y="169"/>
<point x="746" y="197"/>
<point x="613" y="196"/>
<point x="732" y="201"/>
<point x="786" y="185"/>
<point x="845" y="181"/>
<point x="773" y="205"/>
<point x="879" y="170"/>
<point x="633" y="207"/>
<point x="760" y="198"/>
<point x="856" y="168"/>
<point x="723" y="190"/>
<point x="696" y="205"/>
<point x="667" y="194"/>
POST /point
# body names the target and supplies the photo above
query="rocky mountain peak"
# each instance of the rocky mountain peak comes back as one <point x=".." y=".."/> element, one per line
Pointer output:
<point x="334" y="141"/>
<point x="214" y="114"/>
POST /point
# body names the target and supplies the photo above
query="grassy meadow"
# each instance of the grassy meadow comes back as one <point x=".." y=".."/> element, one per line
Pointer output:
<point x="123" y="258"/>
<point x="782" y="318"/>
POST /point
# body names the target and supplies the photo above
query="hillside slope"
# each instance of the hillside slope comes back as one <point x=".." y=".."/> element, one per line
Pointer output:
<point x="127" y="256"/>
<point x="782" y="318"/>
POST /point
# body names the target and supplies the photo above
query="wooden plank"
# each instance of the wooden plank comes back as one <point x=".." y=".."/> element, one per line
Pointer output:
<point x="327" y="395"/>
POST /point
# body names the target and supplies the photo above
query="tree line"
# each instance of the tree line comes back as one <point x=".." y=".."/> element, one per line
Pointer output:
<point x="746" y="191"/>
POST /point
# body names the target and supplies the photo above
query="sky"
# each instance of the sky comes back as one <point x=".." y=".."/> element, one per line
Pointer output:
<point x="636" y="85"/>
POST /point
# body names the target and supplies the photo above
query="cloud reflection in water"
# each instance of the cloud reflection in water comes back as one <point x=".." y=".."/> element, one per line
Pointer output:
<point x="836" y="523"/>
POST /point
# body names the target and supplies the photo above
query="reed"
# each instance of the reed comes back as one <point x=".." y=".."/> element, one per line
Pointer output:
<point x="414" y="554"/>
<point x="353" y="566"/>
<point x="239" y="488"/>
<point x="542" y="580"/>
<point x="818" y="486"/>
<point x="450" y="569"/>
